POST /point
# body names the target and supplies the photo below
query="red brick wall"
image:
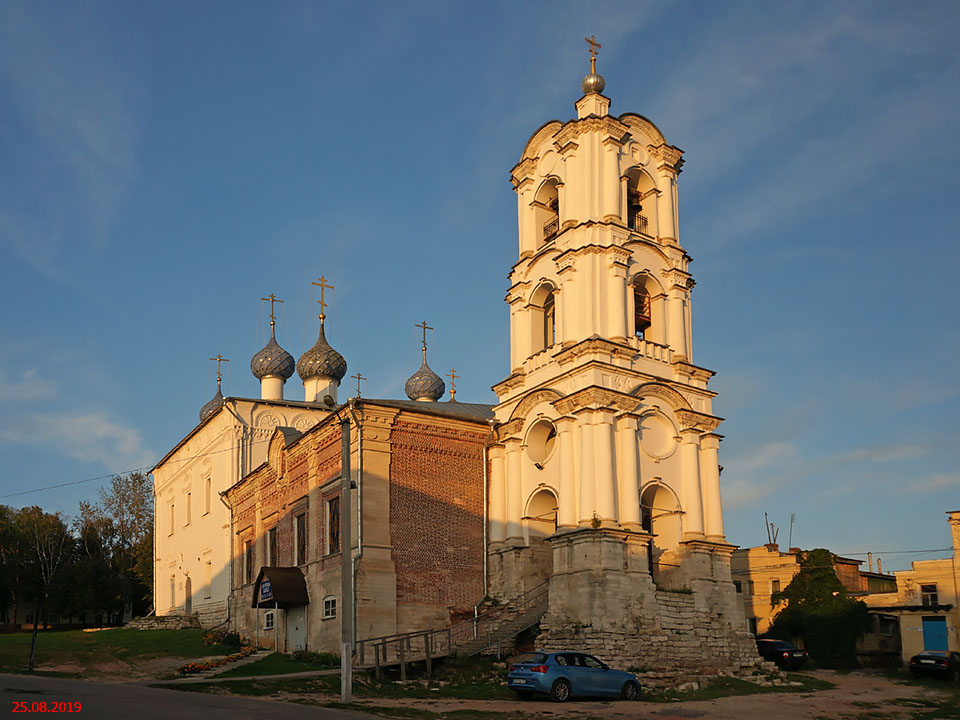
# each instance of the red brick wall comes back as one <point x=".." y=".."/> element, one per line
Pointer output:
<point x="436" y="513"/>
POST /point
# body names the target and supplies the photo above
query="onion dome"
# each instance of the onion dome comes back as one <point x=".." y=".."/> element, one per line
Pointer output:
<point x="213" y="405"/>
<point x="272" y="360"/>
<point x="593" y="82"/>
<point x="321" y="361"/>
<point x="425" y="384"/>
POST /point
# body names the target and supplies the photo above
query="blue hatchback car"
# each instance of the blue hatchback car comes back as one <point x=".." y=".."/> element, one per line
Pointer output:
<point x="568" y="673"/>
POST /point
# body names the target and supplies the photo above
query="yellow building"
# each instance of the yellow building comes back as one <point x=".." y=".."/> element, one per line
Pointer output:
<point x="926" y="600"/>
<point x="760" y="572"/>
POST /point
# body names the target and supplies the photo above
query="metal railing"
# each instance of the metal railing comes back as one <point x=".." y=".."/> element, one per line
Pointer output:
<point x="550" y="228"/>
<point x="640" y="223"/>
<point x="470" y="636"/>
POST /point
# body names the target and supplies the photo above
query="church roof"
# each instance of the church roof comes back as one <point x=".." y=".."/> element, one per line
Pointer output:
<point x="478" y="412"/>
<point x="212" y="405"/>
<point x="424" y="384"/>
<point x="321" y="361"/>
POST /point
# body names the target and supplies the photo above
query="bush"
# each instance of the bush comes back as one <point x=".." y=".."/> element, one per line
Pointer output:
<point x="309" y="657"/>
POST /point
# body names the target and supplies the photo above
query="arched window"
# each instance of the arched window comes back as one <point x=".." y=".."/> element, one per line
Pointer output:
<point x="640" y="202"/>
<point x="547" y="205"/>
<point x="549" y="321"/>
<point x="641" y="310"/>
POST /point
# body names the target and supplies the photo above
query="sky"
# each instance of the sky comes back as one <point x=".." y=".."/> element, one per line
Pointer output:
<point x="165" y="165"/>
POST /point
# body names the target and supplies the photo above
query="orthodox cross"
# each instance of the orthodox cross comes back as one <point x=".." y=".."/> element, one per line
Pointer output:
<point x="424" y="327"/>
<point x="220" y="359"/>
<point x="453" y="383"/>
<point x="594" y="46"/>
<point x="358" y="377"/>
<point x="272" y="299"/>
<point x="323" y="305"/>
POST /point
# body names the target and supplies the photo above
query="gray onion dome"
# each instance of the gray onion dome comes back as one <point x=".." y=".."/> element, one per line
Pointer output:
<point x="211" y="407"/>
<point x="272" y="360"/>
<point x="321" y="361"/>
<point x="424" y="384"/>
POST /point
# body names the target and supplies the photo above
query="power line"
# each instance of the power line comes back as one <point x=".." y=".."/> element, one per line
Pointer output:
<point x="121" y="472"/>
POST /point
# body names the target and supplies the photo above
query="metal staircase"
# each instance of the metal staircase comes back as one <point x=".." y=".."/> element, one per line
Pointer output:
<point x="486" y="630"/>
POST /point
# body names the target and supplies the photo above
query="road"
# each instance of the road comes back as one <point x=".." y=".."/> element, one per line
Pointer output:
<point x="118" y="701"/>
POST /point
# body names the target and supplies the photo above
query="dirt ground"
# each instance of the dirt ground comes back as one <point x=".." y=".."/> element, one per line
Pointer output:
<point x="856" y="695"/>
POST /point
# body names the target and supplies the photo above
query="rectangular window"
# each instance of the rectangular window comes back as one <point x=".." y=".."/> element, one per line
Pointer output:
<point x="333" y="525"/>
<point x="207" y="492"/>
<point x="774" y="586"/>
<point x="748" y="587"/>
<point x="737" y="584"/>
<point x="173" y="591"/>
<point x="268" y="620"/>
<point x="928" y="595"/>
<point x="752" y="625"/>
<point x="300" y="526"/>
<point x="329" y="607"/>
<point x="187" y="510"/>
<point x="208" y="580"/>
<point x="173" y="518"/>
<point x="272" y="549"/>
<point x="248" y="562"/>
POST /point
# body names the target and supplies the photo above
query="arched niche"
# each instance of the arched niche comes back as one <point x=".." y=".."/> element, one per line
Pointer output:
<point x="541" y="441"/>
<point x="647" y="306"/>
<point x="660" y="513"/>
<point x="541" y="513"/>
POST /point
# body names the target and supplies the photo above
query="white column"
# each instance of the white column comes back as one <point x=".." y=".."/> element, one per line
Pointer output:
<point x="514" y="491"/>
<point x="665" y="210"/>
<point x="604" y="452"/>
<point x="588" y="471"/>
<point x="616" y="315"/>
<point x="710" y="479"/>
<point x="628" y="472"/>
<point x="271" y="387"/>
<point x="690" y="484"/>
<point x="498" y="496"/>
<point x="610" y="168"/>
<point x="676" y="334"/>
<point x="567" y="510"/>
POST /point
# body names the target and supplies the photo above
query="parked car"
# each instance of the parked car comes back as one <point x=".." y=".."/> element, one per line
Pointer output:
<point x="939" y="663"/>
<point x="568" y="673"/>
<point x="786" y="655"/>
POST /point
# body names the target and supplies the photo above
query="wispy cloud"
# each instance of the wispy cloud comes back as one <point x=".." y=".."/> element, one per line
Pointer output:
<point x="92" y="437"/>
<point x="30" y="387"/>
<point x="756" y="474"/>
<point x="932" y="484"/>
<point x="79" y="158"/>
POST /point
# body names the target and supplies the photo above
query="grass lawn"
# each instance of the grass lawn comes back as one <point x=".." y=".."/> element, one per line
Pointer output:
<point x="86" y="649"/>
<point x="275" y="664"/>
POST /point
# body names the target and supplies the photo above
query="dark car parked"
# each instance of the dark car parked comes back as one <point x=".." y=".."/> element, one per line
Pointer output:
<point x="568" y="673"/>
<point x="784" y="654"/>
<point x="938" y="663"/>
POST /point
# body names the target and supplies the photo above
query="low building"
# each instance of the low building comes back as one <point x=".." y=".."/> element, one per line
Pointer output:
<point x="417" y="536"/>
<point x="926" y="600"/>
<point x="760" y="572"/>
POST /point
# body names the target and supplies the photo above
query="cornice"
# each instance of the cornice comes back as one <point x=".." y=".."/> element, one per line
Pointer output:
<point x="688" y="369"/>
<point x="609" y="126"/>
<point x="669" y="157"/>
<point x="678" y="278"/>
<point x="691" y="419"/>
<point x="523" y="171"/>
<point x="591" y="346"/>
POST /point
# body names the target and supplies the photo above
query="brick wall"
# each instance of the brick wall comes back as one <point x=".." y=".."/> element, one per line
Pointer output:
<point x="436" y="517"/>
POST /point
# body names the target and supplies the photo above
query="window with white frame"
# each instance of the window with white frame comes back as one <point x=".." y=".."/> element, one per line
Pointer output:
<point x="929" y="596"/>
<point x="329" y="607"/>
<point x="268" y="620"/>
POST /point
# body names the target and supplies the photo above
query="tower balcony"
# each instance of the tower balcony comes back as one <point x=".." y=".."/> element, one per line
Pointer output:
<point x="638" y="222"/>
<point x="550" y="228"/>
<point x="652" y="350"/>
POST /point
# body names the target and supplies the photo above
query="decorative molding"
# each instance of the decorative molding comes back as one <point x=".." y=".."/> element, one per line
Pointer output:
<point x="657" y="389"/>
<point x="691" y="419"/>
<point x="545" y="395"/>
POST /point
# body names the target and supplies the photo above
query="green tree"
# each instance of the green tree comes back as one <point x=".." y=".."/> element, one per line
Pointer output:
<point x="819" y="611"/>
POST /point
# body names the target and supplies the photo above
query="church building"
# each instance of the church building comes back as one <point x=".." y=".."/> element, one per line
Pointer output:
<point x="594" y="475"/>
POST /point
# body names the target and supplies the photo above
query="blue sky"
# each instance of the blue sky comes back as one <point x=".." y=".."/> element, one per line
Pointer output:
<point x="165" y="165"/>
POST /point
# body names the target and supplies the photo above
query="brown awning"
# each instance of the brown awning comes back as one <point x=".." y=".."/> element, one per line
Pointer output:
<point x="279" y="587"/>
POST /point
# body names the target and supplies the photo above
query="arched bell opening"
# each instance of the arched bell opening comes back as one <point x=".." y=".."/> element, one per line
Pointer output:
<point x="640" y="202"/>
<point x="543" y="317"/>
<point x="547" y="212"/>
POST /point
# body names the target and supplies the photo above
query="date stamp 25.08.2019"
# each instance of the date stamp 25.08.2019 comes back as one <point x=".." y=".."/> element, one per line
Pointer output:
<point x="43" y="706"/>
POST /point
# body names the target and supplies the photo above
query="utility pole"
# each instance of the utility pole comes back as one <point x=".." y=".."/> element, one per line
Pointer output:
<point x="346" y="568"/>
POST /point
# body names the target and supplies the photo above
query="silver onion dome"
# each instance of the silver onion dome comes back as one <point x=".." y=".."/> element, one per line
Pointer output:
<point x="593" y="83"/>
<point x="213" y="405"/>
<point x="425" y="384"/>
<point x="272" y="360"/>
<point x="321" y="361"/>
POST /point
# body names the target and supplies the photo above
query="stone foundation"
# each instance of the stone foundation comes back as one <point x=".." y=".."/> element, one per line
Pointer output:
<point x="603" y="600"/>
<point x="515" y="569"/>
<point x="165" y="622"/>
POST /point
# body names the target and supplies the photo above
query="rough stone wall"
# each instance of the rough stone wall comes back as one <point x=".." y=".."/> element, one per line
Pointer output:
<point x="603" y="600"/>
<point x="436" y="519"/>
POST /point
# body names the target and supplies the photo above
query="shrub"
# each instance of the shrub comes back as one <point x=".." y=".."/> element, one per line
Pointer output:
<point x="221" y="636"/>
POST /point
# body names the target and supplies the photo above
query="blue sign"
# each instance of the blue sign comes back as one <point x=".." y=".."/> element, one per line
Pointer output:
<point x="266" y="590"/>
